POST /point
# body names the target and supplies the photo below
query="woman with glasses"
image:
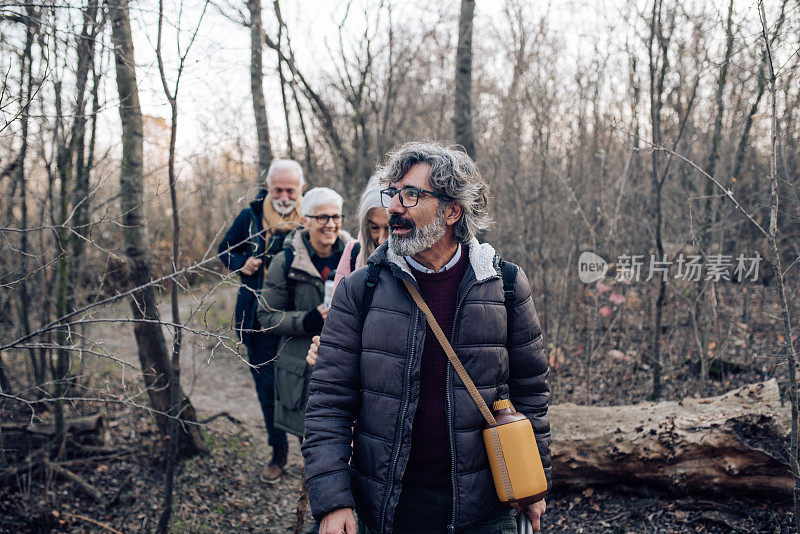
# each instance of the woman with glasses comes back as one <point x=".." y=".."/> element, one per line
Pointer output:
<point x="373" y="230"/>
<point x="292" y="302"/>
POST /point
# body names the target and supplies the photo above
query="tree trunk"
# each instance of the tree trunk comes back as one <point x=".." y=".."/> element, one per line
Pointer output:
<point x="257" y="90"/>
<point x="791" y="355"/>
<point x="284" y="101"/>
<point x="716" y="137"/>
<point x="66" y="151"/>
<point x="150" y="341"/>
<point x="462" y="112"/>
<point x="734" y="443"/>
<point x="80" y="192"/>
<point x="26" y="94"/>
<point x="658" y="64"/>
<point x="709" y="207"/>
<point x="309" y="161"/>
<point x="761" y="84"/>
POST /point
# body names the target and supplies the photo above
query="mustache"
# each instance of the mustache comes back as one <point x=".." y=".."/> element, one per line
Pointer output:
<point x="398" y="220"/>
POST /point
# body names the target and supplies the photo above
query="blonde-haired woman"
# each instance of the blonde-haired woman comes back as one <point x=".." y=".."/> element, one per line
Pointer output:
<point x="373" y="230"/>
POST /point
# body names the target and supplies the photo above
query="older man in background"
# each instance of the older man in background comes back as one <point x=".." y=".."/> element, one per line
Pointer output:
<point x="248" y="247"/>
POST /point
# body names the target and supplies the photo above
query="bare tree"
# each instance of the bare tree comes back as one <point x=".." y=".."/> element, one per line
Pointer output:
<point x="761" y="83"/>
<point x="284" y="83"/>
<point x="462" y="114"/>
<point x="789" y="349"/>
<point x="658" y="47"/>
<point x="321" y="109"/>
<point x="65" y="162"/>
<point x="662" y="25"/>
<point x="25" y="96"/>
<point x="150" y="340"/>
<point x="711" y="169"/>
<point x="257" y="89"/>
<point x="177" y="335"/>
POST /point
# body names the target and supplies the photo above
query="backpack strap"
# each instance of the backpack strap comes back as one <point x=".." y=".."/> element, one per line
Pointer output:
<point x="509" y="272"/>
<point x="373" y="274"/>
<point x="354" y="256"/>
<point x="288" y="255"/>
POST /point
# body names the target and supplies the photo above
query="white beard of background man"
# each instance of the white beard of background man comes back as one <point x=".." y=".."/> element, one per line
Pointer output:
<point x="284" y="207"/>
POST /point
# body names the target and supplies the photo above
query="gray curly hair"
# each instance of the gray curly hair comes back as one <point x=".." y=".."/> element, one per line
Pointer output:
<point x="453" y="175"/>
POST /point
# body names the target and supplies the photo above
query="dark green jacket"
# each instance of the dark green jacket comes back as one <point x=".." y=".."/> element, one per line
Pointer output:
<point x="286" y="299"/>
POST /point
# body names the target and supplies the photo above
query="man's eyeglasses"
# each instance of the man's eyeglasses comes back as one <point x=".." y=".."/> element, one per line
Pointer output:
<point x="409" y="196"/>
<point x="323" y="219"/>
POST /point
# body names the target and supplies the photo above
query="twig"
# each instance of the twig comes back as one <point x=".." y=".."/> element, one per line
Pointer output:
<point x="96" y="459"/>
<point x="87" y="488"/>
<point x="92" y="521"/>
<point x="719" y="519"/>
<point x="222" y="414"/>
<point x="727" y="192"/>
<point x="302" y="503"/>
<point x="28" y="465"/>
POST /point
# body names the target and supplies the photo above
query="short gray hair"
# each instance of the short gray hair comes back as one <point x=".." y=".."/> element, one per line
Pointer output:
<point x="453" y="175"/>
<point x="285" y="165"/>
<point x="318" y="197"/>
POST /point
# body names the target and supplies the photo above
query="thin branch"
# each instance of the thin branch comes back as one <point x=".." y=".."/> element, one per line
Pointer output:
<point x="727" y="192"/>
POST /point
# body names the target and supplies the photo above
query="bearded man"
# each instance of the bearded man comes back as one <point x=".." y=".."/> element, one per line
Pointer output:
<point x="391" y="430"/>
<point x="253" y="239"/>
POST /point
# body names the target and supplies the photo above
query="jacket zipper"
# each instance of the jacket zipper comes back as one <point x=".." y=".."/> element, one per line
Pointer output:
<point x="401" y="422"/>
<point x="452" y="526"/>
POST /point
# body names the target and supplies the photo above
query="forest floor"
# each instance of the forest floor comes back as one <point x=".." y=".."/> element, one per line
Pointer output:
<point x="221" y="492"/>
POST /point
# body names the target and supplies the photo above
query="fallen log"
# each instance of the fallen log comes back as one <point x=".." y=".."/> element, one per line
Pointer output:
<point x="734" y="443"/>
<point x="78" y="480"/>
<point x="21" y="438"/>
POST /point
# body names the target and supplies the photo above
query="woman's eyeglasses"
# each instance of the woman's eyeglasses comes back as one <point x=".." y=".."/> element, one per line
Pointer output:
<point x="323" y="219"/>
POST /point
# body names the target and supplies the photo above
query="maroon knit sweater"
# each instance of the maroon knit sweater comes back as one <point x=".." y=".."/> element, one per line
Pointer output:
<point x="429" y="463"/>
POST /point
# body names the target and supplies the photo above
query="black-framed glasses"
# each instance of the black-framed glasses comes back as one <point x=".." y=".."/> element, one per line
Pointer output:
<point x="409" y="195"/>
<point x="323" y="219"/>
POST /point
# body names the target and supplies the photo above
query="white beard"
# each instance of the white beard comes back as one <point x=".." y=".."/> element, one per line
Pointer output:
<point x="284" y="208"/>
<point x="421" y="238"/>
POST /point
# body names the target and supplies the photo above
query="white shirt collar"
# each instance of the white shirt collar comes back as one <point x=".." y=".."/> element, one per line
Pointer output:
<point x="450" y="264"/>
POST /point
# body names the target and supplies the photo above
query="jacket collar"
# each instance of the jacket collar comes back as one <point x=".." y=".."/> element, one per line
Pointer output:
<point x="302" y="259"/>
<point x="481" y="259"/>
<point x="257" y="205"/>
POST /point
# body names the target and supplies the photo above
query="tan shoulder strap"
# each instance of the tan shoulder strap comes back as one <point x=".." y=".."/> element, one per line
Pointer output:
<point x="451" y="354"/>
<point x="473" y="391"/>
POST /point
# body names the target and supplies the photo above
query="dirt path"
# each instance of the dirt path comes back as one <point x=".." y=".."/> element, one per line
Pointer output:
<point x="217" y="379"/>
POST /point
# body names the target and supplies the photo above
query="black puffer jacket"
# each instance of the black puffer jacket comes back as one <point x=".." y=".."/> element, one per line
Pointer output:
<point x="369" y="373"/>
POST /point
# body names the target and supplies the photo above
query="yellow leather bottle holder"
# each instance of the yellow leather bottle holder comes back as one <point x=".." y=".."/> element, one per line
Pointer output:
<point x="517" y="470"/>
